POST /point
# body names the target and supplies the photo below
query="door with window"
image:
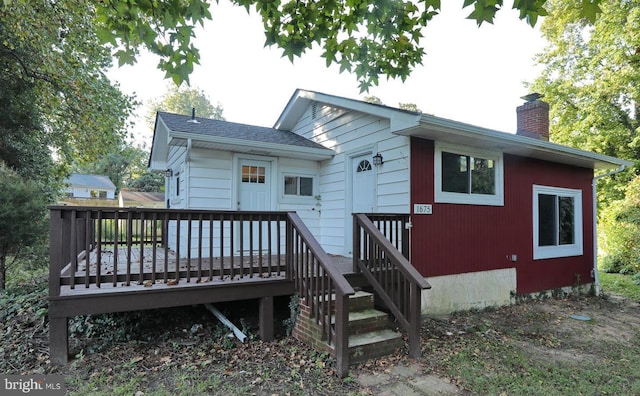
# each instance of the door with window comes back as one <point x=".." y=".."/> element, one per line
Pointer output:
<point x="254" y="195"/>
<point x="363" y="193"/>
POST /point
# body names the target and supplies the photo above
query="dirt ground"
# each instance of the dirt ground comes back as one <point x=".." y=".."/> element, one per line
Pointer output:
<point x="153" y="346"/>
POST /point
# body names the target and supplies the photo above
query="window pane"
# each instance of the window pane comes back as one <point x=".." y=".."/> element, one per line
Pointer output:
<point x="483" y="176"/>
<point x="566" y="220"/>
<point x="290" y="185"/>
<point x="306" y="186"/>
<point x="260" y="174"/>
<point x="455" y="173"/>
<point x="547" y="223"/>
<point x="246" y="173"/>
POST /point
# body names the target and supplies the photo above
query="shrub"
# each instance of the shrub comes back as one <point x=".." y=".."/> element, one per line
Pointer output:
<point x="620" y="226"/>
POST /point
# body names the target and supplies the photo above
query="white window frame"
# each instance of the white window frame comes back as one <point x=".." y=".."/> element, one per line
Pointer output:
<point x="299" y="176"/>
<point x="440" y="196"/>
<point x="575" y="249"/>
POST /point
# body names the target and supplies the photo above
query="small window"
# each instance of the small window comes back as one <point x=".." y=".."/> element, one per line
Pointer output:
<point x="557" y="222"/>
<point x="363" y="166"/>
<point x="177" y="184"/>
<point x="298" y="185"/>
<point x="253" y="174"/>
<point x="468" y="176"/>
<point x="102" y="194"/>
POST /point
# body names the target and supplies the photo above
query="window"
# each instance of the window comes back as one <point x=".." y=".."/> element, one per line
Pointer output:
<point x="253" y="174"/>
<point x="557" y="222"/>
<point x="102" y="194"/>
<point x="364" y="166"/>
<point x="468" y="176"/>
<point x="298" y="185"/>
<point x="177" y="184"/>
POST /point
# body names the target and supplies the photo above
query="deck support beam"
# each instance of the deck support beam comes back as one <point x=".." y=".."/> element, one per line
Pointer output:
<point x="59" y="340"/>
<point x="266" y="318"/>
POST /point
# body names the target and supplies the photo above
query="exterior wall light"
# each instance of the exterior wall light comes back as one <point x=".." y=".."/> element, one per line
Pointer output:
<point x="377" y="159"/>
<point x="168" y="173"/>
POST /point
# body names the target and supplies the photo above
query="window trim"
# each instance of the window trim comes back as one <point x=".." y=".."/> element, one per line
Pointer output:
<point x="556" y="251"/>
<point x="288" y="171"/>
<point x="440" y="196"/>
<point x="298" y="177"/>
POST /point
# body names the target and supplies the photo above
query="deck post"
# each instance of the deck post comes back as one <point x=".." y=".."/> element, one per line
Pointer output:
<point x="342" y="335"/>
<point x="266" y="318"/>
<point x="415" y="307"/>
<point x="59" y="341"/>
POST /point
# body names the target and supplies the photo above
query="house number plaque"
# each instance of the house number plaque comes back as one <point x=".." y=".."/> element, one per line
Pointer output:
<point x="422" y="209"/>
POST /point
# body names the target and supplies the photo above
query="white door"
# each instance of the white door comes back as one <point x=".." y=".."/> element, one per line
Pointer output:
<point x="363" y="194"/>
<point x="254" y="195"/>
<point x="363" y="189"/>
<point x="255" y="185"/>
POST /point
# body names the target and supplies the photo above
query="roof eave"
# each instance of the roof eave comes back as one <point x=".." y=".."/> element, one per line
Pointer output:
<point x="436" y="128"/>
<point x="254" y="147"/>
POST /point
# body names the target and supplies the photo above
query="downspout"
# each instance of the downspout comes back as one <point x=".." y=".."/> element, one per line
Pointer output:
<point x="595" y="224"/>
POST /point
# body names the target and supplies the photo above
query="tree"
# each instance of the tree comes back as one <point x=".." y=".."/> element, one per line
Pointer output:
<point x="404" y="106"/>
<point x="62" y="63"/>
<point x="369" y="38"/>
<point x="182" y="100"/>
<point x="591" y="79"/>
<point x="147" y="182"/>
<point x="124" y="163"/>
<point x="409" y="107"/>
<point x="22" y="217"/>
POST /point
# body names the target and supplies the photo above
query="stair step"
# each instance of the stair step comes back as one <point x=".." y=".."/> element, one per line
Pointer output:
<point x="366" y="321"/>
<point x="358" y="302"/>
<point x="373" y="344"/>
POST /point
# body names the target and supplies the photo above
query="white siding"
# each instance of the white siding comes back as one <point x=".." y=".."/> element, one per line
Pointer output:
<point x="210" y="179"/>
<point x="349" y="133"/>
<point x="308" y="208"/>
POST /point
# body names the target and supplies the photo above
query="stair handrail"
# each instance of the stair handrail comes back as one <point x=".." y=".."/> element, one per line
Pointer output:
<point x="304" y="273"/>
<point x="388" y="254"/>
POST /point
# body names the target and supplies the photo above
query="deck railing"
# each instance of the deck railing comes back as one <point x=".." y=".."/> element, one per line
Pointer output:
<point x="317" y="279"/>
<point x="394" y="279"/>
<point x="395" y="227"/>
<point x="168" y="246"/>
<point x="197" y="247"/>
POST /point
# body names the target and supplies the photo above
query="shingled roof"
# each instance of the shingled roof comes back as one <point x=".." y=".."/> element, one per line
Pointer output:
<point x="226" y="129"/>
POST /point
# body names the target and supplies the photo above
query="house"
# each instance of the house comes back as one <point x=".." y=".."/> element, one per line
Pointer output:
<point x="84" y="186"/>
<point x="493" y="214"/>
<point x="140" y="199"/>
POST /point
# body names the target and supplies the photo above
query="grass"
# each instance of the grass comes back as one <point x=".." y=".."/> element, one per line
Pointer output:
<point x="532" y="348"/>
<point x="623" y="285"/>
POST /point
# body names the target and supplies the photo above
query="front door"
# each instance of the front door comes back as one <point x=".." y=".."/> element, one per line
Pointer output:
<point x="254" y="195"/>
<point x="363" y="193"/>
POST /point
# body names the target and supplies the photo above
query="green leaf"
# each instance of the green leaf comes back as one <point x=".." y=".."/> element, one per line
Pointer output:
<point x="590" y="10"/>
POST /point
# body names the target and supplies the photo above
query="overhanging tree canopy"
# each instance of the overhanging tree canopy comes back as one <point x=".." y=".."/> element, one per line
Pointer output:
<point x="369" y="38"/>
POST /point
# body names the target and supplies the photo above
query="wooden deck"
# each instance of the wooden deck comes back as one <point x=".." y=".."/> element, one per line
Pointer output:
<point x="125" y="259"/>
<point x="138" y="270"/>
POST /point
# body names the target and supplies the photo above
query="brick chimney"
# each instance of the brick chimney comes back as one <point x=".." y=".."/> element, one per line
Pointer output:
<point x="533" y="118"/>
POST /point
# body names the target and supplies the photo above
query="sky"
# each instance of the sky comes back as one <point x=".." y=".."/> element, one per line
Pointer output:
<point x="469" y="74"/>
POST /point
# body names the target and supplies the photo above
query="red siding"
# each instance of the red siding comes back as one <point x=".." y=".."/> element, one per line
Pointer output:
<point x="468" y="238"/>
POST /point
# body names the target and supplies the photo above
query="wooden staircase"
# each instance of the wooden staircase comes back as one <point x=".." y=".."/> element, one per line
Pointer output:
<point x="369" y="330"/>
<point x="370" y="335"/>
